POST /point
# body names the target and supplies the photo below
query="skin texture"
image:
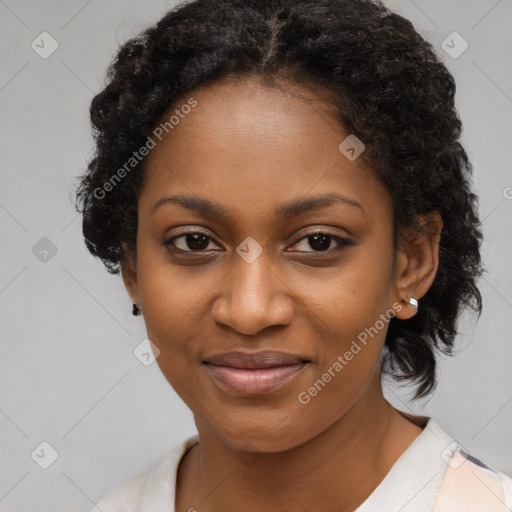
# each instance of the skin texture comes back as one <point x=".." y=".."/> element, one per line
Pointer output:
<point x="251" y="148"/>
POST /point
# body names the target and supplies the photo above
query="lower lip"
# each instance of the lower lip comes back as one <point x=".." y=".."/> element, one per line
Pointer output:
<point x="246" y="381"/>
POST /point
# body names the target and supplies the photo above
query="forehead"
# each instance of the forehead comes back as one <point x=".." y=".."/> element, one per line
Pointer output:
<point x="253" y="147"/>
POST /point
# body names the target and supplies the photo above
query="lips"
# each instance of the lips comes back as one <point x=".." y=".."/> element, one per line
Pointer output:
<point x="264" y="359"/>
<point x="254" y="373"/>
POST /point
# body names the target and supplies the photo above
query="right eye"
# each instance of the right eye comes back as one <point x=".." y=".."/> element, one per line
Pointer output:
<point x="192" y="241"/>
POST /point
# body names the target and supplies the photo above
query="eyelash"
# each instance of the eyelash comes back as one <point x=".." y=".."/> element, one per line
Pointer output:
<point x="342" y="242"/>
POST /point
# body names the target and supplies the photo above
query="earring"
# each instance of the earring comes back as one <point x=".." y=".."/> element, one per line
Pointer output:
<point x="413" y="302"/>
<point x="136" y="309"/>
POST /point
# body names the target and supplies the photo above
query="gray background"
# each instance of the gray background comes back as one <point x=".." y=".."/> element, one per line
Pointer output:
<point x="69" y="376"/>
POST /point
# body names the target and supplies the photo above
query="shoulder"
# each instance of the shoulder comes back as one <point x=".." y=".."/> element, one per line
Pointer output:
<point x="472" y="485"/>
<point x="127" y="496"/>
<point x="155" y="485"/>
<point x="437" y="474"/>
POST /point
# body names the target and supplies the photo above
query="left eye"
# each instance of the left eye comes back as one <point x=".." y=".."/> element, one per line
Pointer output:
<point x="321" y="242"/>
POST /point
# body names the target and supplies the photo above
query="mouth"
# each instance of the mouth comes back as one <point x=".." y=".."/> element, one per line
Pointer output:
<point x="254" y="373"/>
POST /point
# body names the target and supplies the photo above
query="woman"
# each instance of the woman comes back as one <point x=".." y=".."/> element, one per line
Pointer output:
<point x="282" y="187"/>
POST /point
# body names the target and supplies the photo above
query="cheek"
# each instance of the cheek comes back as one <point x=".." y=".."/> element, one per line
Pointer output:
<point x="350" y="297"/>
<point x="170" y="296"/>
<point x="351" y="315"/>
<point x="351" y="337"/>
<point x="168" y="291"/>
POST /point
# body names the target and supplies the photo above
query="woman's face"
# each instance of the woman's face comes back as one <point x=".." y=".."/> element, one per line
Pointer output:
<point x="259" y="171"/>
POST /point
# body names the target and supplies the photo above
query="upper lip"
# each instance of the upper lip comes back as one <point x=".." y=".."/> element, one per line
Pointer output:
<point x="262" y="359"/>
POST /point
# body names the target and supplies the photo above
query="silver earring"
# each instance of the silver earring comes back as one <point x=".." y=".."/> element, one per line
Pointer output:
<point x="413" y="302"/>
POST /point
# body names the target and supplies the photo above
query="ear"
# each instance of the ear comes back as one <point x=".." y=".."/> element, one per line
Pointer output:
<point x="129" y="273"/>
<point x="416" y="263"/>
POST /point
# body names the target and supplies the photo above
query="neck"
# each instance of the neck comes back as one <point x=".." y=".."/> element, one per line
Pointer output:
<point x="336" y="470"/>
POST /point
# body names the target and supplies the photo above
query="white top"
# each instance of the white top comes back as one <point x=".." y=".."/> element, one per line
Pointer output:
<point x="434" y="466"/>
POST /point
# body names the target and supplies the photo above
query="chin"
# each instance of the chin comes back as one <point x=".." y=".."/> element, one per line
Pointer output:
<point x="260" y="432"/>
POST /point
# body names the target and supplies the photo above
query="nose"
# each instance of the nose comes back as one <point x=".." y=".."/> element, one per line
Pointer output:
<point x="253" y="298"/>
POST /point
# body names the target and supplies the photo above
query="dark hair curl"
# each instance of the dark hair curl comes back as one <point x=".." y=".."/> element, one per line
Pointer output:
<point x="391" y="92"/>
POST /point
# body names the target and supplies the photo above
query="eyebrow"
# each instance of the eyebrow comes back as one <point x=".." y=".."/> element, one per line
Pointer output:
<point x="285" y="211"/>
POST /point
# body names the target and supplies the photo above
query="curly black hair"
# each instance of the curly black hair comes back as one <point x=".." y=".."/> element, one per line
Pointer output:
<point x="390" y="90"/>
